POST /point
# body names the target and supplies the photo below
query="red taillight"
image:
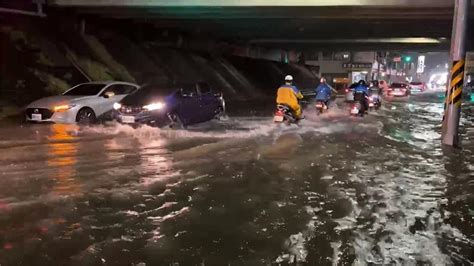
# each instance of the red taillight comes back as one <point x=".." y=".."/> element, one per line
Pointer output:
<point x="347" y="90"/>
<point x="279" y="112"/>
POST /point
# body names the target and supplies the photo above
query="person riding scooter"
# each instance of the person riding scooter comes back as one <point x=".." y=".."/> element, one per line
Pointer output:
<point x="361" y="94"/>
<point x="324" y="91"/>
<point x="375" y="96"/>
<point x="288" y="95"/>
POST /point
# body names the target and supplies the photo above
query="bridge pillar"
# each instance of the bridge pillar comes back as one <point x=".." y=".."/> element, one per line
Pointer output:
<point x="452" y="109"/>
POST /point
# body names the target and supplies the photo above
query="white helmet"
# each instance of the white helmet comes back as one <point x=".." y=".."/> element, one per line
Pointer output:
<point x="289" y="78"/>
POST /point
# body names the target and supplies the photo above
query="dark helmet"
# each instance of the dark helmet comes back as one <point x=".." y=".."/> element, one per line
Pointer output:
<point x="362" y="82"/>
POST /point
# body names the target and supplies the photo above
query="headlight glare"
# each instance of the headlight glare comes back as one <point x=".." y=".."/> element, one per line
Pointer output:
<point x="117" y="106"/>
<point x="154" y="106"/>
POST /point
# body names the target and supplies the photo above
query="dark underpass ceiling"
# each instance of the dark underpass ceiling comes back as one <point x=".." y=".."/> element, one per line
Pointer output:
<point x="293" y="27"/>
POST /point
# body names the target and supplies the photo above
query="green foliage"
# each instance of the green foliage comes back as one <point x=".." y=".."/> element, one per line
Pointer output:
<point x="106" y="58"/>
<point x="16" y="36"/>
<point x="54" y="85"/>
<point x="44" y="60"/>
<point x="96" y="71"/>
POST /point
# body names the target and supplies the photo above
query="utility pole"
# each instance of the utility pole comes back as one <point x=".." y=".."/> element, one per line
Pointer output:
<point x="452" y="105"/>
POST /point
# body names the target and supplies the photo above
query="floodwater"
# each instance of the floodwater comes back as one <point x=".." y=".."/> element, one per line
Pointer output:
<point x="334" y="190"/>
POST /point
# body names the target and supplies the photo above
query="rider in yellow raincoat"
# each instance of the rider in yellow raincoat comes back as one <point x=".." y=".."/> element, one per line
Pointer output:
<point x="289" y="95"/>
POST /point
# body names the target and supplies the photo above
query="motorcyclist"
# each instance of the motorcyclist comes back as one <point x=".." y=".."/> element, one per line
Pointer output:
<point x="375" y="95"/>
<point x="324" y="91"/>
<point x="361" y="94"/>
<point x="288" y="95"/>
<point x="374" y="88"/>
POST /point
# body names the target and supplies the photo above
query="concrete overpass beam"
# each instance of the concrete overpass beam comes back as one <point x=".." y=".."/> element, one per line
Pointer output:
<point x="251" y="3"/>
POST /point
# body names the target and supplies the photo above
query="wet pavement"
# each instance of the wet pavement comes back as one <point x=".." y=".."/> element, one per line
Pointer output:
<point x="334" y="190"/>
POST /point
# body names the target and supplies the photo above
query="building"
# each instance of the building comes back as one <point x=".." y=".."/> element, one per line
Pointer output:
<point x="352" y="65"/>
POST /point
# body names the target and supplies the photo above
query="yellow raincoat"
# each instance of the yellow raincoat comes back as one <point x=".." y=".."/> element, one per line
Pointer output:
<point x="289" y="95"/>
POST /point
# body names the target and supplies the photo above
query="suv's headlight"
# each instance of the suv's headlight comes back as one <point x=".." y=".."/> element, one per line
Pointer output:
<point x="117" y="106"/>
<point x="65" y="107"/>
<point x="154" y="106"/>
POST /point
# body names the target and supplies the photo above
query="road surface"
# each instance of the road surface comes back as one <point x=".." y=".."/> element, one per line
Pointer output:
<point x="333" y="190"/>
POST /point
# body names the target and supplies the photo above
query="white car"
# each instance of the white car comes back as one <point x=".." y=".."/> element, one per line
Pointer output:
<point x="84" y="103"/>
<point x="399" y="90"/>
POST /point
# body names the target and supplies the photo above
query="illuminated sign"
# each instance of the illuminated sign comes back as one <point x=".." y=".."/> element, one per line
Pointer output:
<point x="356" y="65"/>
<point x="421" y="64"/>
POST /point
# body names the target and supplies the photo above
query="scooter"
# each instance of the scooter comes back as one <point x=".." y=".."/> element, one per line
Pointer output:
<point x="321" y="107"/>
<point x="283" y="114"/>
<point x="356" y="109"/>
<point x="375" y="102"/>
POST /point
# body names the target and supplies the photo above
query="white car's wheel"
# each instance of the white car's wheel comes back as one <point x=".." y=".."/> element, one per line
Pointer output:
<point x="86" y="116"/>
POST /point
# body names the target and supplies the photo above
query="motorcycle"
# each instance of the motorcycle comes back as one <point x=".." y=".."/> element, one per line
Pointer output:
<point x="359" y="107"/>
<point x="321" y="107"/>
<point x="284" y="114"/>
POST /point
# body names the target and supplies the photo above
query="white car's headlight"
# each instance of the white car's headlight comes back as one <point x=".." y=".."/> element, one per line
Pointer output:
<point x="117" y="106"/>
<point x="154" y="106"/>
<point x="62" y="108"/>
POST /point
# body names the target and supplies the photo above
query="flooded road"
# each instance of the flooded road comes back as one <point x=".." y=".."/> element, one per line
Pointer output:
<point x="334" y="190"/>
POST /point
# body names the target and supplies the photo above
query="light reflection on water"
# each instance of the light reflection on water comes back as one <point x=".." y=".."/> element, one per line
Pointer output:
<point x="62" y="159"/>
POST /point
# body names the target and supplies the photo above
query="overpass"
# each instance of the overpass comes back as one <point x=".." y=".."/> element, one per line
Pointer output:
<point x="254" y="3"/>
<point x="292" y="24"/>
<point x="289" y="24"/>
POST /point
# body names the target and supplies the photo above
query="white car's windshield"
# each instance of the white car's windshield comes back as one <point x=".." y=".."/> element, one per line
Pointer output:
<point x="86" y="89"/>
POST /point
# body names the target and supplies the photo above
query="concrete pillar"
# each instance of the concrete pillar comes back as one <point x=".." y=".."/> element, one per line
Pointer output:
<point x="452" y="109"/>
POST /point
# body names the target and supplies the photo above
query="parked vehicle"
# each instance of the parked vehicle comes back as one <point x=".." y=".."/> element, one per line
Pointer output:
<point x="349" y="94"/>
<point x="340" y="85"/>
<point x="173" y="106"/>
<point x="417" y="87"/>
<point x="84" y="103"/>
<point x="399" y="90"/>
<point x="284" y="114"/>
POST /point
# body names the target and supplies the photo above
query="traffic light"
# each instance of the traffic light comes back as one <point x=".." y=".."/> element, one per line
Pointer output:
<point x="407" y="59"/>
